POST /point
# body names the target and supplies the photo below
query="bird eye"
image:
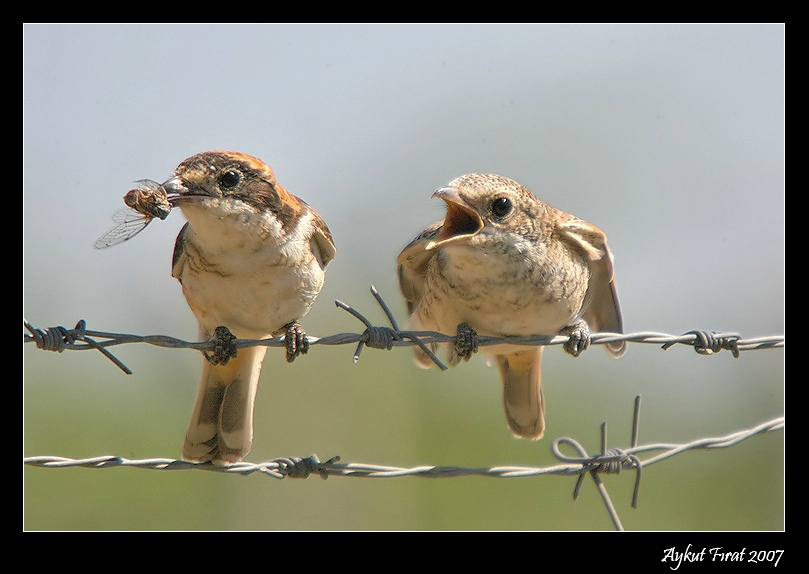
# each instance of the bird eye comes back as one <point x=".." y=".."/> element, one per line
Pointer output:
<point x="230" y="178"/>
<point x="501" y="206"/>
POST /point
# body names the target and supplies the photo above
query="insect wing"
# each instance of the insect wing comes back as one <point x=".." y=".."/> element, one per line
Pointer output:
<point x="151" y="186"/>
<point x="149" y="198"/>
<point x="130" y="223"/>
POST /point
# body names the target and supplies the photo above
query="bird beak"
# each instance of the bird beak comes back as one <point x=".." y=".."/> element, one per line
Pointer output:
<point x="175" y="186"/>
<point x="462" y="221"/>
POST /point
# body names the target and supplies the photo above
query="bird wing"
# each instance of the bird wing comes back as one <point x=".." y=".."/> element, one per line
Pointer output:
<point x="602" y="309"/>
<point x="412" y="263"/>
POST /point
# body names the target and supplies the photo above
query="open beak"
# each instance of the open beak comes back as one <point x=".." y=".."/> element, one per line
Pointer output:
<point x="461" y="221"/>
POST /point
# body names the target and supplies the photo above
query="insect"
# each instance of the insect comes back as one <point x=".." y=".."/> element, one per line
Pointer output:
<point x="146" y="202"/>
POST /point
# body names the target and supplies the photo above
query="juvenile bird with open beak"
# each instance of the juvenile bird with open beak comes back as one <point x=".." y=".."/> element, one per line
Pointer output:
<point x="504" y="263"/>
<point x="251" y="258"/>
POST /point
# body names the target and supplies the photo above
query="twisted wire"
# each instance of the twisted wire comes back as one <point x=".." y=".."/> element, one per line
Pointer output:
<point x="56" y="338"/>
<point x="294" y="467"/>
<point x="710" y="342"/>
<point x="610" y="461"/>
<point x="60" y="339"/>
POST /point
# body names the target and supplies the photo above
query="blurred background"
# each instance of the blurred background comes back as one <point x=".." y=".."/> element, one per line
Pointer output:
<point x="669" y="138"/>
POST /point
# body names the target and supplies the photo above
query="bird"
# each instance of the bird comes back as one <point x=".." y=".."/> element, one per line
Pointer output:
<point x="501" y="263"/>
<point x="251" y="261"/>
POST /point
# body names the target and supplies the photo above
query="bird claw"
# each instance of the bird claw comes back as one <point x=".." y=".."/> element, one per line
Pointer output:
<point x="579" y="333"/>
<point x="466" y="341"/>
<point x="296" y="341"/>
<point x="224" y="346"/>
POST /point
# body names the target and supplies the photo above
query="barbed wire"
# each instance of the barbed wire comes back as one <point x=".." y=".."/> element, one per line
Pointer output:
<point x="608" y="461"/>
<point x="59" y="339"/>
<point x="581" y="464"/>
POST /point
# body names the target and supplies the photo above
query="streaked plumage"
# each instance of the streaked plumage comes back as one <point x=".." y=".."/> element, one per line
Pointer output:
<point x="505" y="263"/>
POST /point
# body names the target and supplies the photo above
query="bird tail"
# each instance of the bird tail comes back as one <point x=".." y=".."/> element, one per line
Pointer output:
<point x="523" y="400"/>
<point x="221" y="426"/>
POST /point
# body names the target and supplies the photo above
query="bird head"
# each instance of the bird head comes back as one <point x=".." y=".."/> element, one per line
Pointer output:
<point x="481" y="204"/>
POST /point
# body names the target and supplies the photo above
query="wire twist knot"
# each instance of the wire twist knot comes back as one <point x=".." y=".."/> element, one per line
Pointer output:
<point x="611" y="462"/>
<point x="711" y="342"/>
<point x="383" y="337"/>
<point x="303" y="467"/>
<point x="57" y="338"/>
<point x="379" y="337"/>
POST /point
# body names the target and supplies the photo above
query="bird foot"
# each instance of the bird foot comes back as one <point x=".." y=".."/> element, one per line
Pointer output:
<point x="466" y="341"/>
<point x="579" y="333"/>
<point x="224" y="346"/>
<point x="296" y="341"/>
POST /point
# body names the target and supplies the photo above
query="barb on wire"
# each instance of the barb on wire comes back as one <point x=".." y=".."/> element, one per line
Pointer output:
<point x="384" y="337"/>
<point x="278" y="468"/>
<point x="608" y="462"/>
<point x="710" y="342"/>
<point x="80" y="338"/>
<point x="58" y="339"/>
